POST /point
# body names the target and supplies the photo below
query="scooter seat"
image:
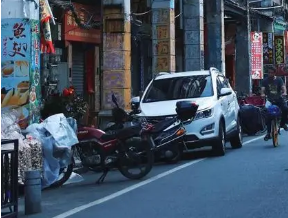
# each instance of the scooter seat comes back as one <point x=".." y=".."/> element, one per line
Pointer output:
<point x="162" y="125"/>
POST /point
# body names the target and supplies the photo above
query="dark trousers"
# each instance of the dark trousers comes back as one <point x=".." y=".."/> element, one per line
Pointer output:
<point x="284" y="116"/>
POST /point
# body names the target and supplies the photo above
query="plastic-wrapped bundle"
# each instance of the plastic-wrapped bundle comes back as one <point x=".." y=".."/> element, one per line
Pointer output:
<point x="11" y="130"/>
<point x="36" y="152"/>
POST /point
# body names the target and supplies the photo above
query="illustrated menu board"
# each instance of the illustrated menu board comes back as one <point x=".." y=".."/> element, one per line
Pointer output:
<point x="18" y="69"/>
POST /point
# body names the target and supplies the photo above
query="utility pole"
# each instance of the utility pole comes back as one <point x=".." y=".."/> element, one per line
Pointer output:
<point x="249" y="44"/>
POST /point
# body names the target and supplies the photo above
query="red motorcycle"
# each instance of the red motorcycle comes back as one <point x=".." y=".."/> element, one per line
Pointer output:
<point x="98" y="150"/>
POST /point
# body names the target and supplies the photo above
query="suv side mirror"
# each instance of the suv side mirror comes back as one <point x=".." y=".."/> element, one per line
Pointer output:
<point x="225" y="92"/>
<point x="135" y="103"/>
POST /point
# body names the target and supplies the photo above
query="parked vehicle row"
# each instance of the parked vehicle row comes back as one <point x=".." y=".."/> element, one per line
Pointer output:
<point x="207" y="114"/>
<point x="112" y="149"/>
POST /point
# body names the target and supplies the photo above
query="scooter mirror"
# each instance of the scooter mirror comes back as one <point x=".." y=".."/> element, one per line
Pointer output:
<point x="114" y="99"/>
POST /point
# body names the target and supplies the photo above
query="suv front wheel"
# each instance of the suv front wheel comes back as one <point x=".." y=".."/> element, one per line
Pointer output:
<point x="236" y="141"/>
<point x="219" y="147"/>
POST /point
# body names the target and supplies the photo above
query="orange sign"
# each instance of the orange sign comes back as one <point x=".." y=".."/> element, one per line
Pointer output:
<point x="72" y="32"/>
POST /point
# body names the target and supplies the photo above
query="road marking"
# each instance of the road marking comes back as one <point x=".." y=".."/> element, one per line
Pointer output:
<point x="138" y="185"/>
<point x="253" y="140"/>
<point x="257" y="138"/>
<point x="126" y="190"/>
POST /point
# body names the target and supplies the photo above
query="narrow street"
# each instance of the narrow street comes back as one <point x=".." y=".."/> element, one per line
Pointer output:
<point x="251" y="182"/>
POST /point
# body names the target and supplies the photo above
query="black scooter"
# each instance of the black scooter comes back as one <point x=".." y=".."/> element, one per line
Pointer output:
<point x="168" y="144"/>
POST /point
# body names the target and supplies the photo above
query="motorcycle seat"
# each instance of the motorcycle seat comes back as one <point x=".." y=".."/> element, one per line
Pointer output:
<point x="162" y="125"/>
<point x="122" y="134"/>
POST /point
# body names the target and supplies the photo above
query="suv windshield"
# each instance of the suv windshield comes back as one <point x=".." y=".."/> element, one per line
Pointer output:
<point x="179" y="88"/>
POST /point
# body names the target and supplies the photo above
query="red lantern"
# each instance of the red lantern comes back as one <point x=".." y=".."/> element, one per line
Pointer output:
<point x="66" y="92"/>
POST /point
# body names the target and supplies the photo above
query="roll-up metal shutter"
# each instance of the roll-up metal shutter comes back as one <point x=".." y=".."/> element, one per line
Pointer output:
<point x="78" y="70"/>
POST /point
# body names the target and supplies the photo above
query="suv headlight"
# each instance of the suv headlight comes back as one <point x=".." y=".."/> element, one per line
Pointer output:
<point x="204" y="114"/>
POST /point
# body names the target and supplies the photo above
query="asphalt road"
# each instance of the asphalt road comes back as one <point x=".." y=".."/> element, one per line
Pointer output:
<point x="251" y="182"/>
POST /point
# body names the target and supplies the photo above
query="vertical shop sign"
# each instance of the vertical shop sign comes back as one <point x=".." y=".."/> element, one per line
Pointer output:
<point x="35" y="92"/>
<point x="256" y="55"/>
<point x="268" y="48"/>
<point x="15" y="67"/>
<point x="279" y="49"/>
<point x="286" y="46"/>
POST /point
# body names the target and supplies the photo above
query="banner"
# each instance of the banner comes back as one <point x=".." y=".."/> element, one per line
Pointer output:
<point x="256" y="55"/>
<point x="279" y="49"/>
<point x="74" y="33"/>
<point x="268" y="48"/>
<point x="35" y="86"/>
<point x="286" y="46"/>
<point x="15" y="67"/>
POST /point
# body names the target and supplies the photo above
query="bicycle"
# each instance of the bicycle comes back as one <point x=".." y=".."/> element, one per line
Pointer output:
<point x="274" y="113"/>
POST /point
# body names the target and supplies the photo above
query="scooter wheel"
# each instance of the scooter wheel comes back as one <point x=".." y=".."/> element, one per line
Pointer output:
<point x="177" y="156"/>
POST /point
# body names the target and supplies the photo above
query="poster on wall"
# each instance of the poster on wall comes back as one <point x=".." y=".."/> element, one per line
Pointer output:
<point x="15" y="67"/>
<point x="268" y="57"/>
<point x="279" y="49"/>
<point x="35" y="91"/>
<point x="256" y="55"/>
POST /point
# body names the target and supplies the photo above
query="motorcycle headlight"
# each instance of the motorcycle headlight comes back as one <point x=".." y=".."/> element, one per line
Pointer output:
<point x="204" y="114"/>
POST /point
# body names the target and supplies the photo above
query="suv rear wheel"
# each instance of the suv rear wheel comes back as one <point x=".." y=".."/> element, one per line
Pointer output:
<point x="219" y="148"/>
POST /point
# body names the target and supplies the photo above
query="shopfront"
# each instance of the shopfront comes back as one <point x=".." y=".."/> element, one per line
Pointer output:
<point x="83" y="54"/>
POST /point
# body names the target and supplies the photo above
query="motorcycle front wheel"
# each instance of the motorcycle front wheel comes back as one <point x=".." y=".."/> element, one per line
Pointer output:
<point x="64" y="175"/>
<point x="138" y="156"/>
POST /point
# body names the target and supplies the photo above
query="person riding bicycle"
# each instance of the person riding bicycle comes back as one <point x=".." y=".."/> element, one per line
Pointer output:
<point x="274" y="88"/>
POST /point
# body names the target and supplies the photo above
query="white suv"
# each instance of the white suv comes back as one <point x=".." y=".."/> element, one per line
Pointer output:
<point x="217" y="120"/>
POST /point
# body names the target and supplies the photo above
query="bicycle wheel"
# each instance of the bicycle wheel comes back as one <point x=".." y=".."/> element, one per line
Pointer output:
<point x="263" y="121"/>
<point x="274" y="130"/>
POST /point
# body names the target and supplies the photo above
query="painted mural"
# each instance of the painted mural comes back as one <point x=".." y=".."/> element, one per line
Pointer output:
<point x="17" y="69"/>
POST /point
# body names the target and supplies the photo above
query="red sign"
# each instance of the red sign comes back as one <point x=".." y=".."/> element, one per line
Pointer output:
<point x="286" y="45"/>
<point x="256" y="55"/>
<point x="71" y="30"/>
<point x="282" y="70"/>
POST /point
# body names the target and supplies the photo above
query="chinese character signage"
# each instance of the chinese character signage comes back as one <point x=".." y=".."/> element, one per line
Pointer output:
<point x="35" y="92"/>
<point x="286" y="46"/>
<point x="20" y="67"/>
<point x="268" y="48"/>
<point x="256" y="55"/>
<point x="15" y="67"/>
<point x="279" y="49"/>
<point x="71" y="30"/>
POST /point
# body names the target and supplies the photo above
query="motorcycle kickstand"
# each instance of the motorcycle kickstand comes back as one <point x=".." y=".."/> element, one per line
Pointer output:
<point x="102" y="177"/>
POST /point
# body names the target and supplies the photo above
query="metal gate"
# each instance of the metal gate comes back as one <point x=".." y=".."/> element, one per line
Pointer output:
<point x="78" y="70"/>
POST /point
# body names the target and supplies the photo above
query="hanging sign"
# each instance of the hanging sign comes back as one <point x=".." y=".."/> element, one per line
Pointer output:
<point x="256" y="55"/>
<point x="279" y="49"/>
<point x="72" y="32"/>
<point x="268" y="48"/>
